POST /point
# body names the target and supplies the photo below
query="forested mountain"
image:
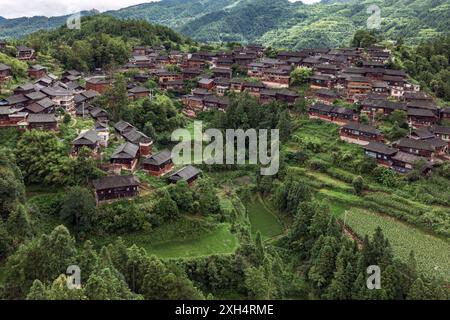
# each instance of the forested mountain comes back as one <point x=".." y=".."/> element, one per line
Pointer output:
<point x="273" y="22"/>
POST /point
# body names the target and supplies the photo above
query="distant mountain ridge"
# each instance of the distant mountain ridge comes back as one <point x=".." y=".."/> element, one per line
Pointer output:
<point x="277" y="23"/>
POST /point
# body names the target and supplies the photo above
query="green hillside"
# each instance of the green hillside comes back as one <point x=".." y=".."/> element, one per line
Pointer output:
<point x="274" y="22"/>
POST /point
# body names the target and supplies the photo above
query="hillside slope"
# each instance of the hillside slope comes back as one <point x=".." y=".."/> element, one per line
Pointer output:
<point x="278" y="23"/>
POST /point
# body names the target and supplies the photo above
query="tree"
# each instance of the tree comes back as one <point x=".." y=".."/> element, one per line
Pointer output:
<point x="364" y="39"/>
<point x="256" y="283"/>
<point x="84" y="168"/>
<point x="182" y="195"/>
<point x="78" y="209"/>
<point x="358" y="185"/>
<point x="300" y="75"/>
<point x="42" y="159"/>
<point x="284" y="125"/>
<point x="43" y="258"/>
<point x="205" y="194"/>
<point x="166" y="207"/>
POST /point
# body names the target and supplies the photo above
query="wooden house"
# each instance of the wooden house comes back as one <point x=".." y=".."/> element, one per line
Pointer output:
<point x="324" y="95"/>
<point x="421" y="117"/>
<point x="89" y="139"/>
<point x="359" y="133"/>
<point x="126" y="156"/>
<point x="42" y="121"/>
<point x="24" y="53"/>
<point x="137" y="93"/>
<point x="115" y="187"/>
<point x="225" y="73"/>
<point x="318" y="81"/>
<point x="5" y="72"/>
<point x="424" y="148"/>
<point x="122" y="127"/>
<point x="442" y="133"/>
<point x="37" y="71"/>
<point x="99" y="114"/>
<point x="188" y="174"/>
<point x="381" y="152"/>
<point x="144" y="142"/>
<point x="98" y="84"/>
<point x="158" y="164"/>
<point x="404" y="162"/>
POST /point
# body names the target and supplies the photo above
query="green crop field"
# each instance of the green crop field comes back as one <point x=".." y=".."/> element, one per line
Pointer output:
<point x="432" y="253"/>
<point x="263" y="220"/>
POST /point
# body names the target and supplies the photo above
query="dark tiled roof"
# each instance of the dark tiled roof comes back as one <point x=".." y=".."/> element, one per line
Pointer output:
<point x="125" y="151"/>
<point x="441" y="129"/>
<point x="121" y="126"/>
<point x="87" y="137"/>
<point x="185" y="174"/>
<point x="159" y="158"/>
<point x="416" y="144"/>
<point x="421" y="113"/>
<point x="362" y="127"/>
<point x="380" y="148"/>
<point x="407" y="157"/>
<point x="41" y="118"/>
<point x="115" y="182"/>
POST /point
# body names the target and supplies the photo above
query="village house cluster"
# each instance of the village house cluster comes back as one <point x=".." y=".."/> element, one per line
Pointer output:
<point x="41" y="102"/>
<point x="353" y="75"/>
<point x="363" y="79"/>
<point x="211" y="73"/>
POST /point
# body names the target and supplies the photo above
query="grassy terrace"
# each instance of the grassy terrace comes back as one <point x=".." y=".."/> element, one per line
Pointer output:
<point x="187" y="238"/>
<point x="263" y="219"/>
<point x="432" y="253"/>
<point x="395" y="210"/>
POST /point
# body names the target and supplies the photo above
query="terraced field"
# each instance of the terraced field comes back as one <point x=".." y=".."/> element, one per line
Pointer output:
<point x="432" y="253"/>
<point x="262" y="219"/>
<point x="407" y="218"/>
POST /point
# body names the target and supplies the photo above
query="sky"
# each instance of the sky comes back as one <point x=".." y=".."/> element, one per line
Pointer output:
<point x="29" y="8"/>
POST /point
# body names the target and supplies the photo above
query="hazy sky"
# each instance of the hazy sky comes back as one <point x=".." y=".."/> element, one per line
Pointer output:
<point x="28" y="8"/>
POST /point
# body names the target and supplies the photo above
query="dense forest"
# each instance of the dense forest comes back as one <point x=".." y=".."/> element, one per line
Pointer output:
<point x="103" y="42"/>
<point x="277" y="23"/>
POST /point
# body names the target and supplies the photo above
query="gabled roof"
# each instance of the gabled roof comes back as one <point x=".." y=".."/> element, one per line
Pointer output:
<point x="135" y="136"/>
<point x="86" y="138"/>
<point x="139" y="90"/>
<point x="361" y="127"/>
<point x="125" y="151"/>
<point x="421" y="113"/>
<point x="4" y="67"/>
<point x="159" y="158"/>
<point x="15" y="99"/>
<point x="41" y="118"/>
<point x="422" y="134"/>
<point x="185" y="173"/>
<point x="441" y="129"/>
<point x="35" y="95"/>
<point x="115" y="182"/>
<point x="416" y="144"/>
<point x="407" y="157"/>
<point x="122" y="126"/>
<point x="46" y="103"/>
<point x="380" y="148"/>
<point x="89" y="94"/>
<point x="321" y="107"/>
<point x="97" y="111"/>
<point x="35" y="108"/>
